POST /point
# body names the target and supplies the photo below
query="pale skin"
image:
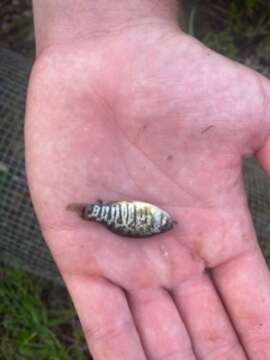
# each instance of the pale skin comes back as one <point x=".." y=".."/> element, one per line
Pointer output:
<point x="123" y="105"/>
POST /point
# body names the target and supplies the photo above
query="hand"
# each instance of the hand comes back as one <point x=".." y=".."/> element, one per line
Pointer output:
<point x="148" y="113"/>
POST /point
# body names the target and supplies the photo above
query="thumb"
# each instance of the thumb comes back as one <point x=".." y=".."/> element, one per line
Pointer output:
<point x="263" y="156"/>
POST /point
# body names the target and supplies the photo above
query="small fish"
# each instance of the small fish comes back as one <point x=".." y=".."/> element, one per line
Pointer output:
<point x="129" y="218"/>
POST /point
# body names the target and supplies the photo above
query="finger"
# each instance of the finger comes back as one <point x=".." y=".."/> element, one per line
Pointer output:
<point x="244" y="284"/>
<point x="210" y="329"/>
<point x="162" y="331"/>
<point x="106" y="319"/>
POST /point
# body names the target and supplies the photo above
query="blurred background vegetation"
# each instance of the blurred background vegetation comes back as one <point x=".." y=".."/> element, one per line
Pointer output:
<point x="37" y="319"/>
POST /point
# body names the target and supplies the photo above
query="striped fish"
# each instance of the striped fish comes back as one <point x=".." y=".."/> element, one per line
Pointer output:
<point x="129" y="218"/>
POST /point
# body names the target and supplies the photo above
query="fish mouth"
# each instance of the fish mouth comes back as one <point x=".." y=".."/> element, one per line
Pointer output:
<point x="86" y="210"/>
<point x="81" y="209"/>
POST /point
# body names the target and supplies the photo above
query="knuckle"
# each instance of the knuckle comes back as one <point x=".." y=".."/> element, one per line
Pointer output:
<point x="108" y="331"/>
<point x="177" y="354"/>
<point x="226" y="351"/>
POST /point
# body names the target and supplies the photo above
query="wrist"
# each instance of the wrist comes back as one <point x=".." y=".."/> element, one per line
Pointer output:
<point x="62" y="21"/>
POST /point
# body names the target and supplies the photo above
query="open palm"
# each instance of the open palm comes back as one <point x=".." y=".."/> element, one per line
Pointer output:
<point x="167" y="121"/>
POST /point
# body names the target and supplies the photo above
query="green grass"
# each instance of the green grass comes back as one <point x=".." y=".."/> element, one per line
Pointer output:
<point x="37" y="320"/>
<point x="234" y="28"/>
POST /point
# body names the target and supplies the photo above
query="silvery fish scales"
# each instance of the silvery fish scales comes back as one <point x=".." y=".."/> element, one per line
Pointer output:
<point x="133" y="219"/>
